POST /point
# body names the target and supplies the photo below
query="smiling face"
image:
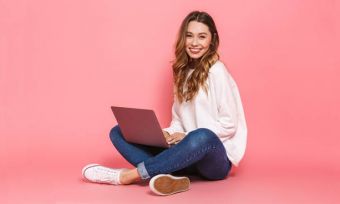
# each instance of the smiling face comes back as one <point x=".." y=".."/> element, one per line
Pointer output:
<point x="197" y="40"/>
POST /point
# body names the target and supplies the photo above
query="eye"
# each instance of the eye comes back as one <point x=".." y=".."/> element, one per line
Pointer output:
<point x="202" y="37"/>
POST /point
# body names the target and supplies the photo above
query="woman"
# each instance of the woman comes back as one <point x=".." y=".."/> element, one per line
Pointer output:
<point x="208" y="129"/>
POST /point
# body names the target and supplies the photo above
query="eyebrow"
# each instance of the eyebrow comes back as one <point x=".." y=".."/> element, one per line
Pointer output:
<point x="199" y="33"/>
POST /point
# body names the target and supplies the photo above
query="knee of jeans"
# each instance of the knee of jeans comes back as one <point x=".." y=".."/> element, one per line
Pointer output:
<point x="214" y="174"/>
<point x="114" y="133"/>
<point x="201" y="136"/>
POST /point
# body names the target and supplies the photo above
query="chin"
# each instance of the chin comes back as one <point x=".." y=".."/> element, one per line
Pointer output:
<point x="195" y="56"/>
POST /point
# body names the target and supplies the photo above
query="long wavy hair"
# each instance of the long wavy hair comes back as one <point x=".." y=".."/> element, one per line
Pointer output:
<point x="183" y="63"/>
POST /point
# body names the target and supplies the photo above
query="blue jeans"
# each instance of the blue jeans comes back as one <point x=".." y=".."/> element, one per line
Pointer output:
<point x="200" y="152"/>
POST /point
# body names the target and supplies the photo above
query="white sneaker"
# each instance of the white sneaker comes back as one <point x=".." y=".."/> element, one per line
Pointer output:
<point x="166" y="184"/>
<point x="101" y="174"/>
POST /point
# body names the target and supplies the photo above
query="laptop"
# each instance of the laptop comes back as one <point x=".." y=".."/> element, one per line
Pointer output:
<point x="140" y="126"/>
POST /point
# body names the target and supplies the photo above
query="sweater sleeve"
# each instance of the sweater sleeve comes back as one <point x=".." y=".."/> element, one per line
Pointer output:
<point x="176" y="123"/>
<point x="226" y="124"/>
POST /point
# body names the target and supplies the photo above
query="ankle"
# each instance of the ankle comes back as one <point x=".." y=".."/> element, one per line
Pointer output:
<point x="129" y="177"/>
<point x="123" y="178"/>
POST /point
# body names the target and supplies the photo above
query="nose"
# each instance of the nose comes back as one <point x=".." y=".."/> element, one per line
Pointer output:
<point x="194" y="42"/>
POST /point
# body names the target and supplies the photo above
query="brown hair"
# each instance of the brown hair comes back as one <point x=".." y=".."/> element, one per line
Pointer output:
<point x="183" y="62"/>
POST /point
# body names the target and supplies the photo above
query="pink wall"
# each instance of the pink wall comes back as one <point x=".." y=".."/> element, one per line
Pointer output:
<point x="63" y="63"/>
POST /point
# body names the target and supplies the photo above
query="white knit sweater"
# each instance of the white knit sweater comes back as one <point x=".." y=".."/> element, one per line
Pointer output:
<point x="220" y="111"/>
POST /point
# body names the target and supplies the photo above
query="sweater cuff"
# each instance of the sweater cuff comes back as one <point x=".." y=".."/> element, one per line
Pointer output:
<point x="169" y="130"/>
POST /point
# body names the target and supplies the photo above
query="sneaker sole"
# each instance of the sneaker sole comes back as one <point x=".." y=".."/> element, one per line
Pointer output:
<point x="163" y="184"/>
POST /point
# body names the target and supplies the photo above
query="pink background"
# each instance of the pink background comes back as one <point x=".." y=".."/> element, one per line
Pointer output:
<point x="64" y="63"/>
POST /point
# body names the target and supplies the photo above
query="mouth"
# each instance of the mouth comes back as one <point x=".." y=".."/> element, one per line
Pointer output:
<point x="195" y="50"/>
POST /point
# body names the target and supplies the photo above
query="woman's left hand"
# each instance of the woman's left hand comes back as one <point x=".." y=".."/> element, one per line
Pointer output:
<point x="175" y="138"/>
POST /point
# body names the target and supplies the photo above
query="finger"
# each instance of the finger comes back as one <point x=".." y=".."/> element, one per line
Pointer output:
<point x="170" y="142"/>
<point x="170" y="139"/>
<point x="173" y="140"/>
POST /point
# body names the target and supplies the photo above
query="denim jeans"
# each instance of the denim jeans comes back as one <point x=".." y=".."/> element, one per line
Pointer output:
<point x="200" y="152"/>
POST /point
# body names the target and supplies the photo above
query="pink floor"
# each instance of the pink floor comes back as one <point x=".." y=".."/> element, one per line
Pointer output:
<point x="264" y="183"/>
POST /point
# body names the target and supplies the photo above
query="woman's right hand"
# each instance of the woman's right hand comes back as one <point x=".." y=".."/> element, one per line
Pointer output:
<point x="174" y="138"/>
<point x="166" y="135"/>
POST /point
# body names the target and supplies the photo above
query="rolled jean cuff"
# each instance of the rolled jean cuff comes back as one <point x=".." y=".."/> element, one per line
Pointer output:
<point x="142" y="171"/>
